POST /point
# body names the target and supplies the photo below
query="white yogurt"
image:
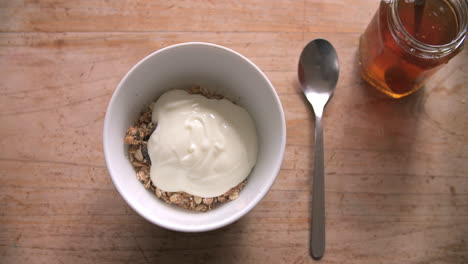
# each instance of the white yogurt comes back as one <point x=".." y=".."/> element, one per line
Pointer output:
<point x="201" y="146"/>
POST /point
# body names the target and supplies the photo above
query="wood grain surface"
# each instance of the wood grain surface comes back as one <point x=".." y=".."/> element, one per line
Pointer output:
<point x="396" y="170"/>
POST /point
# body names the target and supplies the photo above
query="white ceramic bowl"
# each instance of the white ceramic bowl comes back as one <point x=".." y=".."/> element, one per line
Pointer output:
<point x="216" y="68"/>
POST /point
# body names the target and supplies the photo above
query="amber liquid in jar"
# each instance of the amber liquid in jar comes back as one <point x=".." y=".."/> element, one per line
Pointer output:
<point x="394" y="66"/>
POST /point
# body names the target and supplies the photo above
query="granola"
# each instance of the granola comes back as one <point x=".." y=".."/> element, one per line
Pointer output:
<point x="137" y="138"/>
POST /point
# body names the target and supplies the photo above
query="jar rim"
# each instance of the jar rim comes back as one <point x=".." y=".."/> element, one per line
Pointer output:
<point x="399" y="31"/>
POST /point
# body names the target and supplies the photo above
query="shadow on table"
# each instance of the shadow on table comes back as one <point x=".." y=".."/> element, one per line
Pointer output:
<point x="390" y="126"/>
<point x="158" y="245"/>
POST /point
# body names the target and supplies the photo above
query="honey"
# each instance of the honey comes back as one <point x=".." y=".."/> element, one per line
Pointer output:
<point x="408" y="40"/>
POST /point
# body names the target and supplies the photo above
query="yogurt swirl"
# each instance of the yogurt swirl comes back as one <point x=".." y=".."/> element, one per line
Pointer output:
<point x="201" y="146"/>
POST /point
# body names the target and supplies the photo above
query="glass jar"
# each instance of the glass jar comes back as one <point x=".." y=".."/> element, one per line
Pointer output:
<point x="408" y="40"/>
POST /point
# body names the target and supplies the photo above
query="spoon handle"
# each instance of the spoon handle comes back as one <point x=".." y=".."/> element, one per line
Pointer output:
<point x="317" y="236"/>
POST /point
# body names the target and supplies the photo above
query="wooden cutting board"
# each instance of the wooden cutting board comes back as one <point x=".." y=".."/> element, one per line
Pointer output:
<point x="396" y="170"/>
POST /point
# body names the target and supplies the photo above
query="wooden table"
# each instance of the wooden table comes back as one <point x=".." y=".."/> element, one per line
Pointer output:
<point x="396" y="170"/>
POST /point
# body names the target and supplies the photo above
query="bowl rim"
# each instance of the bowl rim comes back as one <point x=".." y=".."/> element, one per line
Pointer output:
<point x="251" y="204"/>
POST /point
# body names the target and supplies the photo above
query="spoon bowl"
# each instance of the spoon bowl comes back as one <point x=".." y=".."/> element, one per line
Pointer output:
<point x="318" y="74"/>
<point x="318" y="70"/>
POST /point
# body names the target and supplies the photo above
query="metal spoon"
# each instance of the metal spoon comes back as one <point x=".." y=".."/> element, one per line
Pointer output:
<point x="318" y="74"/>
